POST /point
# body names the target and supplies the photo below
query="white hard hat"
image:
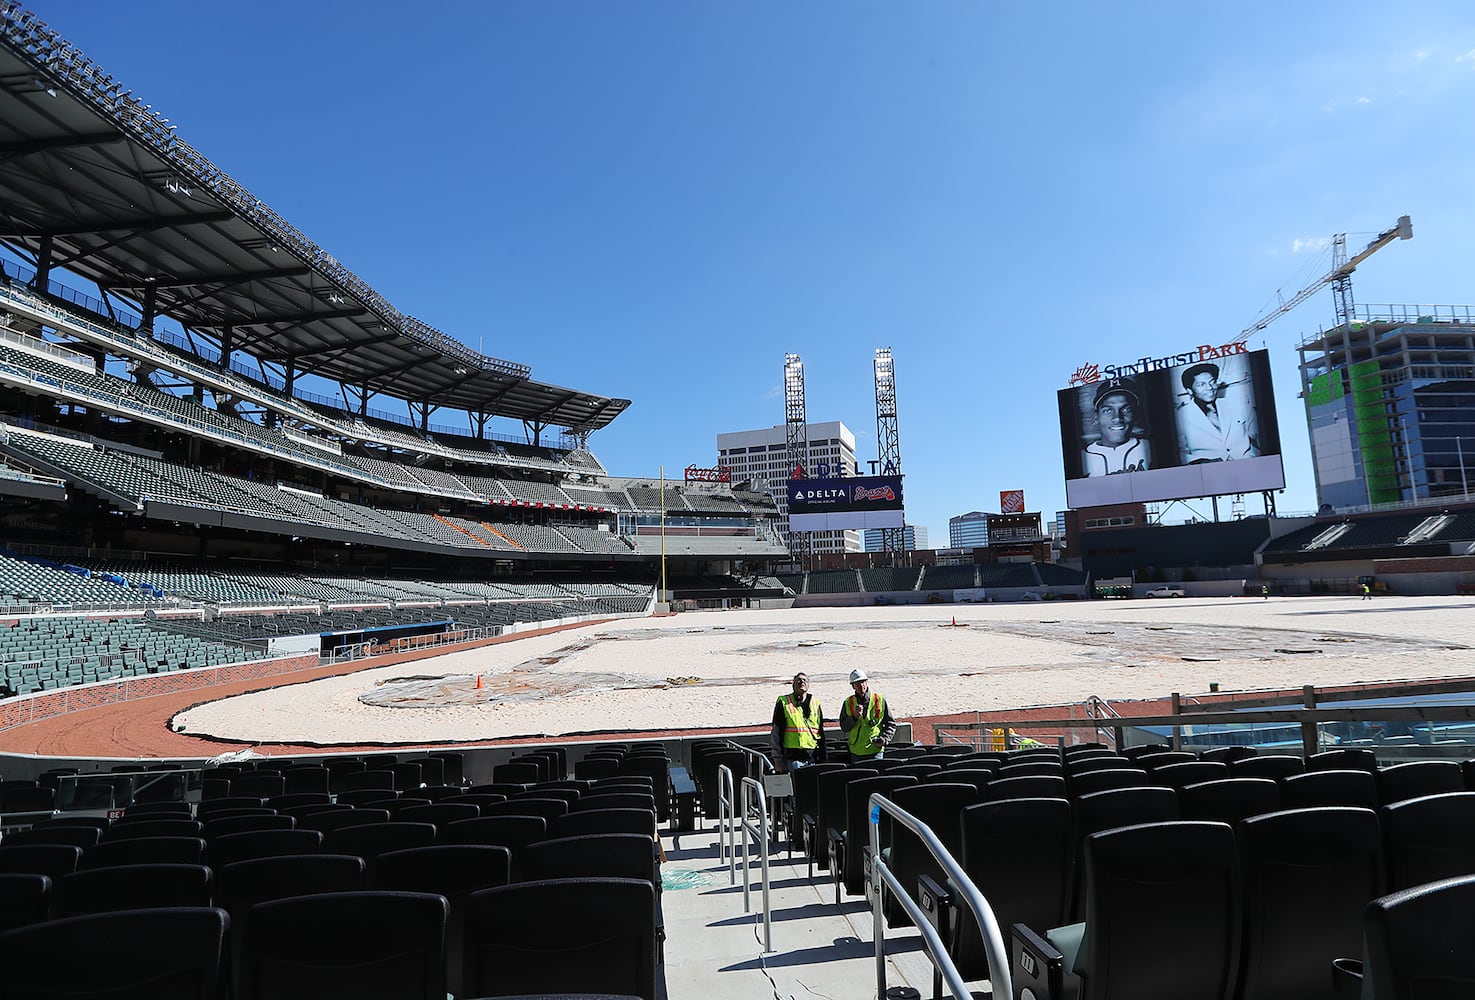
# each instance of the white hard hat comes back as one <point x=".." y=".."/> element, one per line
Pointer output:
<point x="857" y="675"/>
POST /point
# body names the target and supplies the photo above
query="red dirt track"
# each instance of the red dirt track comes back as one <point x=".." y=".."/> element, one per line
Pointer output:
<point x="140" y="728"/>
<point x="136" y="724"/>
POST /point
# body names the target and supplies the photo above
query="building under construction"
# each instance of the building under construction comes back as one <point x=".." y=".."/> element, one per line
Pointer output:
<point x="1390" y="405"/>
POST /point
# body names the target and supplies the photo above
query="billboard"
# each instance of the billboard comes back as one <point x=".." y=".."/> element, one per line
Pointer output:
<point x="1198" y="424"/>
<point x="845" y="504"/>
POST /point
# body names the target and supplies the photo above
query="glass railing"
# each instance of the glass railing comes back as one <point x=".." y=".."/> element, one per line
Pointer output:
<point x="118" y="790"/>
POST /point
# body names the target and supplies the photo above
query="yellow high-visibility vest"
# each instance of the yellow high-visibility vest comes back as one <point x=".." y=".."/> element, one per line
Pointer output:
<point x="800" y="733"/>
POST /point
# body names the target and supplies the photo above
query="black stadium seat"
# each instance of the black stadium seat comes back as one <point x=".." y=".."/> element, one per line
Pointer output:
<point x="1308" y="873"/>
<point x="1418" y="778"/>
<point x="562" y="936"/>
<point x="1428" y="839"/>
<point x="1020" y="854"/>
<point x="25" y="899"/>
<point x="363" y="944"/>
<point x="847" y="869"/>
<point x="938" y="805"/>
<point x="1417" y="942"/>
<point x="1152" y="931"/>
<point x="123" y="956"/>
<point x="1329" y="787"/>
<point x="132" y="887"/>
<point x="453" y="871"/>
<point x="1229" y="800"/>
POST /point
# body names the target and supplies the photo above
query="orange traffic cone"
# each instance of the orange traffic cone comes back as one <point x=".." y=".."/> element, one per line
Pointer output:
<point x="955" y="621"/>
<point x="478" y="682"/>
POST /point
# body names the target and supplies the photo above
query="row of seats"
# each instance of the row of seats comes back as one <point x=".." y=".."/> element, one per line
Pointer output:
<point x="603" y="863"/>
<point x="225" y="584"/>
<point x="46" y="653"/>
<point x="923" y="578"/>
<point x="1258" y="910"/>
<point x="138" y="479"/>
<point x="1022" y="838"/>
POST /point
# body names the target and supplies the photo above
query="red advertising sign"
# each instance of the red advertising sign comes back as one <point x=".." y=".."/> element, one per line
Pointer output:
<point x="1011" y="501"/>
<point x="719" y="474"/>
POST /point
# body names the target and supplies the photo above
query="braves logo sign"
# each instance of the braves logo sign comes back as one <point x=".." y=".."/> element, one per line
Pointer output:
<point x="880" y="493"/>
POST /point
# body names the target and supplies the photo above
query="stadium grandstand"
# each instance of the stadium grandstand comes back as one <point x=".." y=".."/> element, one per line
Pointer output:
<point x="196" y="393"/>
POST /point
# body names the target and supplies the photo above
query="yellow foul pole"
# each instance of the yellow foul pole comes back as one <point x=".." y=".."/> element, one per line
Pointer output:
<point x="665" y="595"/>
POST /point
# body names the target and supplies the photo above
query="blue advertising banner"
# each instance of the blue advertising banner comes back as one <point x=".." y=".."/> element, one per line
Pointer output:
<point x="845" y="504"/>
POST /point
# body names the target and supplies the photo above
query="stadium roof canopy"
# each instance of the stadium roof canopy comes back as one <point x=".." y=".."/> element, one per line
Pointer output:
<point x="94" y="182"/>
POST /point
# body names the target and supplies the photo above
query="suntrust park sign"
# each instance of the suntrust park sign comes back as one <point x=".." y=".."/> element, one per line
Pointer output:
<point x="1089" y="373"/>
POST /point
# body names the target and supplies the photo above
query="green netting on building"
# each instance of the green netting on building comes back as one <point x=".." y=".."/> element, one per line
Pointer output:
<point x="1379" y="465"/>
<point x="1325" y="388"/>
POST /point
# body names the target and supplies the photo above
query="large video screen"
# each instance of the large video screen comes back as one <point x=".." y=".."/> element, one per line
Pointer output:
<point x="1196" y="429"/>
<point x="845" y="504"/>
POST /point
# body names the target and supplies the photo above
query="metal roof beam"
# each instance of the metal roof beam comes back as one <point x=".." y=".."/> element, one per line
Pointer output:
<point x="328" y="354"/>
<point x="547" y="413"/>
<point x="379" y="373"/>
<point x="9" y="150"/>
<point x="295" y="318"/>
<point x="228" y="277"/>
<point x="145" y="224"/>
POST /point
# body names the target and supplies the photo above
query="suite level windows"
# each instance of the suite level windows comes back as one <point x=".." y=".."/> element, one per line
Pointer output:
<point x="1110" y="522"/>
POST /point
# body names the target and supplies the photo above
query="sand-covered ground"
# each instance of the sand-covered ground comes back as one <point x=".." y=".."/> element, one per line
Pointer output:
<point x="724" y="669"/>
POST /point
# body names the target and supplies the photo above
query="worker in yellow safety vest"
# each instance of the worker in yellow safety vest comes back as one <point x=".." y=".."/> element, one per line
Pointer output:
<point x="798" y="731"/>
<point x="866" y="719"/>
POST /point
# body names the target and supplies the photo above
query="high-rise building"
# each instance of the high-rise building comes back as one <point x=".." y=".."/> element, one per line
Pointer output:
<point x="914" y="537"/>
<point x="762" y="457"/>
<point x="968" y="531"/>
<point x="1390" y="405"/>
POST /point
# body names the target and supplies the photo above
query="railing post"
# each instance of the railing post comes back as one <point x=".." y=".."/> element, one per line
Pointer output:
<point x="883" y="879"/>
<point x="1310" y="735"/>
<point x="878" y="894"/>
<point x="1177" y="742"/>
<point x="759" y="831"/>
<point x="726" y="848"/>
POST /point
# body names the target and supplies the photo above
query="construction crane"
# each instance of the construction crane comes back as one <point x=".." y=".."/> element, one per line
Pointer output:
<point x="1339" y="277"/>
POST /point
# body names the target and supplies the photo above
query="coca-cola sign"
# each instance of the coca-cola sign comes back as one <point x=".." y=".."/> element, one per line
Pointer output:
<point x="719" y="474"/>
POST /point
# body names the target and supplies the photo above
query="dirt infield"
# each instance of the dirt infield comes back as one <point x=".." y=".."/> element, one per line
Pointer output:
<point x="720" y="671"/>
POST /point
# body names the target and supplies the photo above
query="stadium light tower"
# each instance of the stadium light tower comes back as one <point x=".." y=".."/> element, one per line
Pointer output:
<point x="796" y="421"/>
<point x="888" y="443"/>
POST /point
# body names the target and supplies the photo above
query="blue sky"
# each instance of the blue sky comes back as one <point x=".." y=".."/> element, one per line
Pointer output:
<point x="659" y="200"/>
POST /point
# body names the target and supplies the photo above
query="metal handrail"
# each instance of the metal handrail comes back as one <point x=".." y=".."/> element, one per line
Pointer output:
<point x="752" y="752"/>
<point x="993" y="940"/>
<point x="762" y="758"/>
<point x="760" y="833"/>
<point x="1098" y="709"/>
<point x="726" y="838"/>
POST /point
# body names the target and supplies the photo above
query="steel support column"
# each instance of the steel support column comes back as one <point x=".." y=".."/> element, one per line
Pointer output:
<point x="796" y="424"/>
<point x="888" y="443"/>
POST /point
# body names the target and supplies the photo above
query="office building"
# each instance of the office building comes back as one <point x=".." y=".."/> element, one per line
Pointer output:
<point x="1390" y="405"/>
<point x="914" y="537"/>
<point x="762" y="458"/>
<point x="968" y="531"/>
